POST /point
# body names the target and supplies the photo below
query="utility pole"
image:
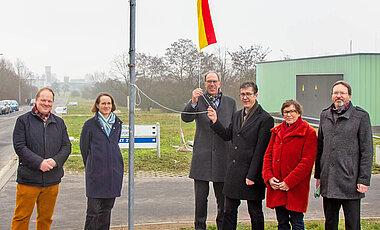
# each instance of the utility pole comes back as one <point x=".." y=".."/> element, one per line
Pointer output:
<point x="19" y="82"/>
<point x="19" y="90"/>
<point x="132" y="95"/>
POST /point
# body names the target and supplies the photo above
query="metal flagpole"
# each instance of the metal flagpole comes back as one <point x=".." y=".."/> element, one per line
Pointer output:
<point x="132" y="96"/>
<point x="199" y="73"/>
<point x="199" y="77"/>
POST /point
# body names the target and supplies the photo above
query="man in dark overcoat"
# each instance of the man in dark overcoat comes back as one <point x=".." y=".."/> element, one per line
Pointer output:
<point x="42" y="144"/>
<point x="250" y="135"/>
<point x="344" y="157"/>
<point x="209" y="161"/>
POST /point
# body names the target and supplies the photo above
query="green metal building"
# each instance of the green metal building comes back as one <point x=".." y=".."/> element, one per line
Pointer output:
<point x="309" y="81"/>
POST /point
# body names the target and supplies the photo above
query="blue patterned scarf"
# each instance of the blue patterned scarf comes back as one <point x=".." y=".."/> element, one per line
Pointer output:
<point x="107" y="123"/>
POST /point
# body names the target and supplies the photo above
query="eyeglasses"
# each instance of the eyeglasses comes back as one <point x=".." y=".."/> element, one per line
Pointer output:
<point x="339" y="93"/>
<point x="248" y="94"/>
<point x="212" y="81"/>
<point x="291" y="112"/>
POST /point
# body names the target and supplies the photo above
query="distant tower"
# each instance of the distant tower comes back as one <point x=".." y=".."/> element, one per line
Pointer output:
<point x="48" y="74"/>
<point x="66" y="79"/>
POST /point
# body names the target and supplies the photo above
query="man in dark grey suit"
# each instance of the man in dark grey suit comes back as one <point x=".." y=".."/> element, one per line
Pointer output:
<point x="344" y="157"/>
<point x="209" y="161"/>
<point x="250" y="135"/>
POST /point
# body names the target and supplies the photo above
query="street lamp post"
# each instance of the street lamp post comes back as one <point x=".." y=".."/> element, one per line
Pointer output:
<point x="19" y="83"/>
<point x="19" y="90"/>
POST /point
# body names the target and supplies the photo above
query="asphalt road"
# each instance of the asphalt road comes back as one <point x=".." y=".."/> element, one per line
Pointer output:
<point x="7" y="122"/>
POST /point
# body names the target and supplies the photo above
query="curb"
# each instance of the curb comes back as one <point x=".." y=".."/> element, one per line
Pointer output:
<point x="7" y="171"/>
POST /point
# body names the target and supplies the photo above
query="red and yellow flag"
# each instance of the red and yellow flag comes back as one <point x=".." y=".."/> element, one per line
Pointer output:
<point x="205" y="28"/>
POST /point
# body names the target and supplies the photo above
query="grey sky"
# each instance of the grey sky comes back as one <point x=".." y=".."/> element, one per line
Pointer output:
<point x="76" y="37"/>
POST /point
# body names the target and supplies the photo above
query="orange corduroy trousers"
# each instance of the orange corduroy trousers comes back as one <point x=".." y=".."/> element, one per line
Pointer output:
<point x="26" y="197"/>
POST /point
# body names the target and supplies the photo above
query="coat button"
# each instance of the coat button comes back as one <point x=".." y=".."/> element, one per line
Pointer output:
<point x="235" y="147"/>
<point x="233" y="161"/>
<point x="280" y="143"/>
<point x="277" y="160"/>
<point x="238" y="135"/>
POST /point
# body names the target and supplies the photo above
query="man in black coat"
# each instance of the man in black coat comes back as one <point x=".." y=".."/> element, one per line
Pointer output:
<point x="344" y="157"/>
<point x="41" y="142"/>
<point x="209" y="161"/>
<point x="250" y="135"/>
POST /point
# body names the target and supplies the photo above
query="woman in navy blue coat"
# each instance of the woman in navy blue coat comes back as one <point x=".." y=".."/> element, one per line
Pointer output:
<point x="99" y="145"/>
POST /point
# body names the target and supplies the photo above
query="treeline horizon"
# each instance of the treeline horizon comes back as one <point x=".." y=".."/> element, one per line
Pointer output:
<point x="170" y="79"/>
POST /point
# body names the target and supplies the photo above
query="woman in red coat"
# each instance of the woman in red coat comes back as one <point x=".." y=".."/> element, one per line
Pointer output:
<point x="287" y="166"/>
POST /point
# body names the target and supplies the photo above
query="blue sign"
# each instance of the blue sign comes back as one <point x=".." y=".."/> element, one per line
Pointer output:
<point x="139" y="140"/>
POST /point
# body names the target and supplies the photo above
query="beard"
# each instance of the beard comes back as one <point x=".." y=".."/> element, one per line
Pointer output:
<point x="338" y="104"/>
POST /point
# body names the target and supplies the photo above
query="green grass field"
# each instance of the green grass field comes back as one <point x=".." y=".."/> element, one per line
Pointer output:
<point x="171" y="160"/>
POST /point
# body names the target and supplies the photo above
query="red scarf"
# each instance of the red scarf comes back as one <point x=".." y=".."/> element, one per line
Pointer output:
<point x="43" y="116"/>
<point x="285" y="129"/>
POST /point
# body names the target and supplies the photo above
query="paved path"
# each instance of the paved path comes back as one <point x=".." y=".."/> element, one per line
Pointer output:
<point x="157" y="200"/>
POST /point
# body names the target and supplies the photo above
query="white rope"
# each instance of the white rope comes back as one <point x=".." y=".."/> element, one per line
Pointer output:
<point x="140" y="100"/>
<point x="162" y="106"/>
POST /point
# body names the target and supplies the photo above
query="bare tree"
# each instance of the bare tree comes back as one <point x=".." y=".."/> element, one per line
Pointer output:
<point x="142" y="65"/>
<point x="244" y="61"/>
<point x="20" y="67"/>
<point x="120" y="66"/>
<point x="120" y="69"/>
<point x="65" y="88"/>
<point x="149" y="69"/>
<point x="8" y="79"/>
<point x="285" y="56"/>
<point x="182" y="57"/>
<point x="222" y="68"/>
<point x="12" y="79"/>
<point x="23" y="75"/>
